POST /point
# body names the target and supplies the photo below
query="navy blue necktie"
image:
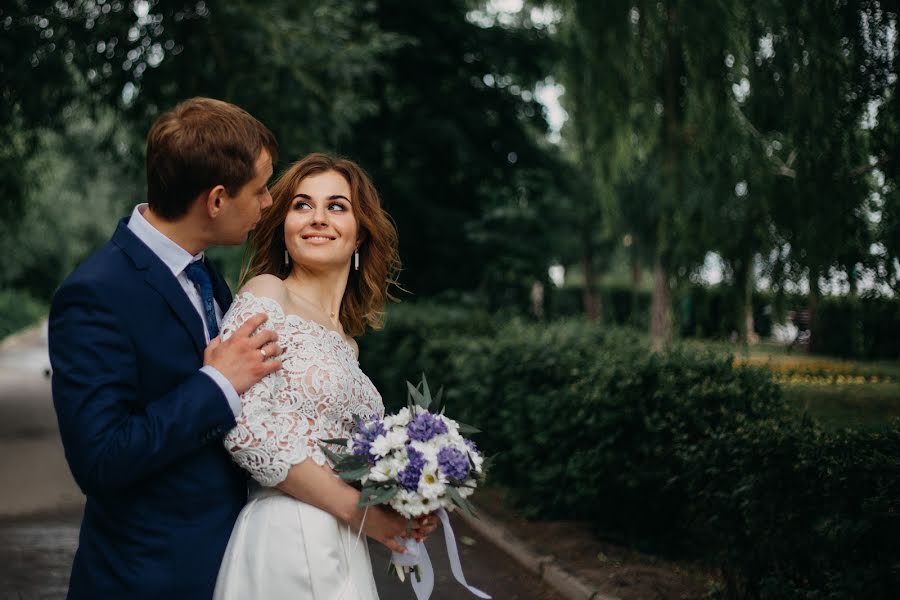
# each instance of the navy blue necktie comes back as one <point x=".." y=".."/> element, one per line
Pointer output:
<point x="196" y="272"/>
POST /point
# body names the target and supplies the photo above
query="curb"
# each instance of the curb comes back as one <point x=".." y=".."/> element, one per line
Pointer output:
<point x="557" y="577"/>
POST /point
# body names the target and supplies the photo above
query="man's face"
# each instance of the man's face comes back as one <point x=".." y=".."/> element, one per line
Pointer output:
<point x="240" y="213"/>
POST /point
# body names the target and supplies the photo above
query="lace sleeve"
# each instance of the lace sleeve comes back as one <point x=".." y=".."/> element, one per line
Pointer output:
<point x="273" y="432"/>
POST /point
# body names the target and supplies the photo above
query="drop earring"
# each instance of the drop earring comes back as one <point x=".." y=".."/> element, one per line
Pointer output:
<point x="287" y="258"/>
<point x="356" y="261"/>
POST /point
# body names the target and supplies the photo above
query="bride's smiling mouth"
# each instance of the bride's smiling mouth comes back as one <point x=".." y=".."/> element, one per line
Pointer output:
<point x="317" y="238"/>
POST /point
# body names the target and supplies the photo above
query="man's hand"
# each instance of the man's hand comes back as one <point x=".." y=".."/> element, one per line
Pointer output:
<point x="245" y="358"/>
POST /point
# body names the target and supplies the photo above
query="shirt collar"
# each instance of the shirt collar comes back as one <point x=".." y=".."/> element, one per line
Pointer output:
<point x="173" y="256"/>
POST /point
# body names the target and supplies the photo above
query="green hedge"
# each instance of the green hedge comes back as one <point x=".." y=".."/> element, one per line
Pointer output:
<point x="18" y="310"/>
<point x="676" y="450"/>
<point x="862" y="327"/>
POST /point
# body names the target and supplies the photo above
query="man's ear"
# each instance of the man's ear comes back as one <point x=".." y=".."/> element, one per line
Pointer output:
<point x="213" y="200"/>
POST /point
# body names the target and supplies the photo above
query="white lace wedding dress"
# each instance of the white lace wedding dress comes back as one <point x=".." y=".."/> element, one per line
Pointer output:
<point x="281" y="547"/>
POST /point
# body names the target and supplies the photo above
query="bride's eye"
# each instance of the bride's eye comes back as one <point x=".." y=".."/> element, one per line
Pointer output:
<point x="299" y="204"/>
<point x="336" y="205"/>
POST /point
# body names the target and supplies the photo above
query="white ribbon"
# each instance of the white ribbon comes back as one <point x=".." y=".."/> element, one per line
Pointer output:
<point x="416" y="554"/>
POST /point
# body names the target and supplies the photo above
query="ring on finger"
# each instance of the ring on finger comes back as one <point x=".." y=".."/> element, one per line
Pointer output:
<point x="263" y="352"/>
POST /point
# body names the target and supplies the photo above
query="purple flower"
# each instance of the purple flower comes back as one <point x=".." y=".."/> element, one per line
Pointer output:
<point x="365" y="434"/>
<point x="372" y="428"/>
<point x="361" y="447"/>
<point x="424" y="427"/>
<point x="471" y="446"/>
<point x="409" y="476"/>
<point x="453" y="463"/>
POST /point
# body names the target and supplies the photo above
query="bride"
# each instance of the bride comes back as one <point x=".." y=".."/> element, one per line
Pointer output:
<point x="324" y="254"/>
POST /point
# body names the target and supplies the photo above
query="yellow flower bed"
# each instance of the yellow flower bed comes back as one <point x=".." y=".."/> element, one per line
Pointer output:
<point x="802" y="370"/>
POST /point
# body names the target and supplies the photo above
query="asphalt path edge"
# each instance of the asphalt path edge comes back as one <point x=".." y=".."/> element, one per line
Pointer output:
<point x="546" y="567"/>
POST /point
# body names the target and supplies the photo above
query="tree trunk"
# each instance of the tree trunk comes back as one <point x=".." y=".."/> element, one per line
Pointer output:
<point x="747" y="282"/>
<point x="660" y="305"/>
<point x="637" y="276"/>
<point x="589" y="298"/>
<point x="813" y="305"/>
<point x="660" y="308"/>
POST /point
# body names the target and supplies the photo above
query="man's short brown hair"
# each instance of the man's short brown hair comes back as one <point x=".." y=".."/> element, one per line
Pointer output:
<point x="199" y="144"/>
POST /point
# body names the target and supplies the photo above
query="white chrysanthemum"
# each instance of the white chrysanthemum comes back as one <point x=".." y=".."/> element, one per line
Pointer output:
<point x="394" y="439"/>
<point x="455" y="437"/>
<point x="432" y="484"/>
<point x="398" y="438"/>
<point x="465" y="492"/>
<point x="411" y="505"/>
<point x="401" y="419"/>
<point x="386" y="469"/>
<point x="477" y="459"/>
<point x="429" y="449"/>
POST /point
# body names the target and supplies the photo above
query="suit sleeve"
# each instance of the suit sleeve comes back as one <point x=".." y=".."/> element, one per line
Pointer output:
<point x="110" y="440"/>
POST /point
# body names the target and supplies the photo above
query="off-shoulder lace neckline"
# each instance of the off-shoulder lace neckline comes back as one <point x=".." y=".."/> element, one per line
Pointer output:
<point x="294" y="316"/>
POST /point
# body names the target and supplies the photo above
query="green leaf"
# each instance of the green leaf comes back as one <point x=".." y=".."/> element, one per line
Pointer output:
<point x="426" y="393"/>
<point x="437" y="403"/>
<point x="353" y="461"/>
<point x="417" y="396"/>
<point x="460" y="501"/>
<point x="463" y="428"/>
<point x="338" y="441"/>
<point x="354" y="474"/>
<point x="488" y="462"/>
<point x="333" y="456"/>
<point x="380" y="497"/>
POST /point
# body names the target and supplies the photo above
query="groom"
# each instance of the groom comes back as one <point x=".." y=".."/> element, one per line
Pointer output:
<point x="144" y="389"/>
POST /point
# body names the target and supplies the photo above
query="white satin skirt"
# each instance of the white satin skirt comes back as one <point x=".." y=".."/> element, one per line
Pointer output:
<point x="282" y="548"/>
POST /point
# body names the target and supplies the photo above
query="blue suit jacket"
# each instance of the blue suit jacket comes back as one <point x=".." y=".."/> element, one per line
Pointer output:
<point x="141" y="427"/>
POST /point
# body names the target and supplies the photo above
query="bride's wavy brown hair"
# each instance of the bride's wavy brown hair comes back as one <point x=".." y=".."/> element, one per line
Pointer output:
<point x="379" y="262"/>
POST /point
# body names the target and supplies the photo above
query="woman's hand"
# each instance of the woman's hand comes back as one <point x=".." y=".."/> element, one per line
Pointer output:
<point x="382" y="524"/>
<point x="423" y="527"/>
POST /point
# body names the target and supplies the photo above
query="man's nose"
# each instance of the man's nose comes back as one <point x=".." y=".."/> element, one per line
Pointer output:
<point x="266" y="201"/>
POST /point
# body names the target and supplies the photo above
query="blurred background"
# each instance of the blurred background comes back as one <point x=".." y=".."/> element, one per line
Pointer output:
<point x="577" y="184"/>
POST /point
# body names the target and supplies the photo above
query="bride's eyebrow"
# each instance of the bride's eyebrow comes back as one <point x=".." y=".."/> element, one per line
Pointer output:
<point x="332" y="197"/>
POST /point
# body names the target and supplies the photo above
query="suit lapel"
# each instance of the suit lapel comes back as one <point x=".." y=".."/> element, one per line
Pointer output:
<point x="160" y="278"/>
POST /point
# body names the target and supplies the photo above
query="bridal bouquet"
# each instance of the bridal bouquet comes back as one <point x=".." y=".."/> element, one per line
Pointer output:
<point x="418" y="462"/>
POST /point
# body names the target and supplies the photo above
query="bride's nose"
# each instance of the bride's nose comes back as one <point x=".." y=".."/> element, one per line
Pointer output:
<point x="320" y="216"/>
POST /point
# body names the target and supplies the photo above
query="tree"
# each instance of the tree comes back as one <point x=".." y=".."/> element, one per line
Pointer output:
<point x="820" y="69"/>
<point x="647" y="87"/>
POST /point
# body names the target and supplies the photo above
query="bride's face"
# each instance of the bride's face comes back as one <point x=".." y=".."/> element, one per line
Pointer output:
<point x="320" y="229"/>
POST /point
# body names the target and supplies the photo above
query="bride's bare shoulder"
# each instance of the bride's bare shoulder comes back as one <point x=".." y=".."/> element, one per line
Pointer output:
<point x="268" y="286"/>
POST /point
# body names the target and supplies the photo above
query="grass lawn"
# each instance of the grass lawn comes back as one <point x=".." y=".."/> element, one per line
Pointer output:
<point x="867" y="406"/>
<point x="836" y="392"/>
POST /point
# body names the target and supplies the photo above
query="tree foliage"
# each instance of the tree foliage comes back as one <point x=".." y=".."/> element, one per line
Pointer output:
<point x="438" y="108"/>
<point x="738" y="129"/>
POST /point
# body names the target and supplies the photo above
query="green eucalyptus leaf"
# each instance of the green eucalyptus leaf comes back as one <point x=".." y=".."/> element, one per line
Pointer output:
<point x="333" y="456"/>
<point x="460" y="501"/>
<point x="426" y="393"/>
<point x="379" y="498"/>
<point x="437" y="403"/>
<point x="463" y="428"/>
<point x="354" y="474"/>
<point x="338" y="441"/>
<point x="417" y="396"/>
